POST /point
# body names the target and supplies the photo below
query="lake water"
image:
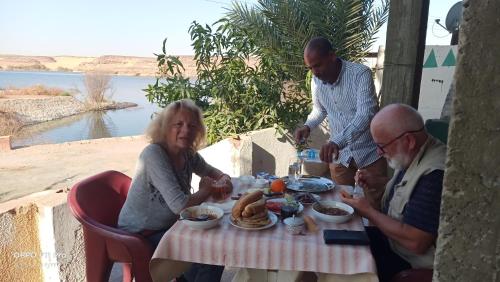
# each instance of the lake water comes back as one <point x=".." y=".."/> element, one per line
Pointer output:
<point x="91" y="125"/>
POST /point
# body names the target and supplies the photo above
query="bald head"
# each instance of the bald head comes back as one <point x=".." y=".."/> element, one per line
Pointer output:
<point x="395" y="119"/>
<point x="319" y="45"/>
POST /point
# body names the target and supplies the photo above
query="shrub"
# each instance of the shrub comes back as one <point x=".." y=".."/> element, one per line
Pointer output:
<point x="9" y="123"/>
<point x="236" y="96"/>
<point x="36" y="90"/>
<point x="98" y="86"/>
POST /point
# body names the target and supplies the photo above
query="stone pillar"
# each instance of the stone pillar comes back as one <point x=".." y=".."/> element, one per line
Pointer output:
<point x="5" y="143"/>
<point x="468" y="247"/>
<point x="404" y="52"/>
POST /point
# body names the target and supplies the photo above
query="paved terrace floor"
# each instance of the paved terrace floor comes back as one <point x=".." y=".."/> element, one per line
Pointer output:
<point x="58" y="166"/>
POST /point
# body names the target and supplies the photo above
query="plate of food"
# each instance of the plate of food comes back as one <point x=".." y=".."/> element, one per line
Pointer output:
<point x="306" y="198"/>
<point x="250" y="213"/>
<point x="311" y="184"/>
<point x="274" y="205"/>
<point x="255" y="226"/>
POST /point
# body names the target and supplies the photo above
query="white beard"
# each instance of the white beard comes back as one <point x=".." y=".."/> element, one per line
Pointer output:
<point x="399" y="161"/>
<point x="395" y="163"/>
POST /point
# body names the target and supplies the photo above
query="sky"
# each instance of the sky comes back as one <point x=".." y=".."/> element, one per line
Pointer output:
<point x="126" y="27"/>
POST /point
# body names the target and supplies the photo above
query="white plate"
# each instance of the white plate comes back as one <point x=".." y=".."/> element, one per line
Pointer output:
<point x="311" y="184"/>
<point x="272" y="217"/>
<point x="225" y="206"/>
<point x="283" y="200"/>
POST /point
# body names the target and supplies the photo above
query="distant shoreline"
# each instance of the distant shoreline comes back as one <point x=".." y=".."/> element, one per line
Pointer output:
<point x="68" y="71"/>
<point x="109" y="64"/>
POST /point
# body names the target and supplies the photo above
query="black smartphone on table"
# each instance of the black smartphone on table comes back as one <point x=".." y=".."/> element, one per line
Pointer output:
<point x="345" y="237"/>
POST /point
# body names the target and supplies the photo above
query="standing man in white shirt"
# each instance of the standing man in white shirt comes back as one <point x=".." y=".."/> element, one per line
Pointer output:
<point x="344" y="92"/>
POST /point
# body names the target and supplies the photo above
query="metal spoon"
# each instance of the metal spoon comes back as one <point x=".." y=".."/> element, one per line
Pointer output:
<point x="316" y="201"/>
<point x="201" y="217"/>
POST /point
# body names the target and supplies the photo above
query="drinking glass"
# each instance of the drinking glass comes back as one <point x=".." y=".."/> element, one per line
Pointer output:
<point x="294" y="171"/>
<point x="220" y="187"/>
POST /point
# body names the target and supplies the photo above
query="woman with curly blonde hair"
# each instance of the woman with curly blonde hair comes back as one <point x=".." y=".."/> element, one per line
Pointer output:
<point x="161" y="187"/>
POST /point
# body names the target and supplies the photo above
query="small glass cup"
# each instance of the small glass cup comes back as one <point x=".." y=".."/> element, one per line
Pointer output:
<point x="246" y="181"/>
<point x="292" y="173"/>
<point x="294" y="225"/>
<point x="220" y="190"/>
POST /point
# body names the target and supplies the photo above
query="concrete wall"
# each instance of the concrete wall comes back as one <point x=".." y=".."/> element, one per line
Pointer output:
<point x="468" y="247"/>
<point x="437" y="74"/>
<point x="20" y="253"/>
<point x="263" y="150"/>
<point x="40" y="240"/>
<point x="61" y="238"/>
<point x="5" y="144"/>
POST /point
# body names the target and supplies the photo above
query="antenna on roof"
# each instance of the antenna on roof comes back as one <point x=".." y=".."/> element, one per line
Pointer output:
<point x="452" y="21"/>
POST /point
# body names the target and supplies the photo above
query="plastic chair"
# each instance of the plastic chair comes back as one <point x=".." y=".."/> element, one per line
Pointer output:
<point x="438" y="128"/>
<point x="413" y="275"/>
<point x="96" y="202"/>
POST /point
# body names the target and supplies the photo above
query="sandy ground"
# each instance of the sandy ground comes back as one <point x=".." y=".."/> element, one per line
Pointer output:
<point x="59" y="166"/>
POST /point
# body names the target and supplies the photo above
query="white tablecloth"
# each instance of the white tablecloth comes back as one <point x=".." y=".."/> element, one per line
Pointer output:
<point x="273" y="249"/>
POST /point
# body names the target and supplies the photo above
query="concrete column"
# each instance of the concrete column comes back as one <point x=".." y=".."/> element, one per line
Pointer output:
<point x="468" y="247"/>
<point x="5" y="144"/>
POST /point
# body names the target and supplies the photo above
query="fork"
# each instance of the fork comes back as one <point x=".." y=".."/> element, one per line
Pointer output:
<point x="316" y="201"/>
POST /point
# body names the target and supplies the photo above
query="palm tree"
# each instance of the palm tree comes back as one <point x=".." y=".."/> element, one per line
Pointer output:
<point x="281" y="28"/>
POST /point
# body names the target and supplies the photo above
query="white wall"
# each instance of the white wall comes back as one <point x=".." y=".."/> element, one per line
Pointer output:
<point x="436" y="80"/>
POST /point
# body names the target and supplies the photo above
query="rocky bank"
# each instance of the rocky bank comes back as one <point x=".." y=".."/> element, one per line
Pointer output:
<point x="17" y="111"/>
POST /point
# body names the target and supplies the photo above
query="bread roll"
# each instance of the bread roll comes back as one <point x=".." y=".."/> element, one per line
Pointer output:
<point x="245" y="201"/>
<point x="254" y="208"/>
<point x="310" y="224"/>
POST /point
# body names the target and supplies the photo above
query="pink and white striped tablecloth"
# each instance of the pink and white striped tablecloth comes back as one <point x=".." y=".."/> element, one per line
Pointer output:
<point x="273" y="248"/>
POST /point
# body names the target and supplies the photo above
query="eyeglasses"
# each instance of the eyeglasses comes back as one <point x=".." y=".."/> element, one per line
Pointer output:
<point x="381" y="147"/>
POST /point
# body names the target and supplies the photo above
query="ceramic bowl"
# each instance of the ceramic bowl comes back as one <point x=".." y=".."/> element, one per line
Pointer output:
<point x="193" y="212"/>
<point x="333" y="218"/>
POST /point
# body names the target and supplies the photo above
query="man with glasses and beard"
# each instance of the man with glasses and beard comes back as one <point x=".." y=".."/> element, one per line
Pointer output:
<point x="404" y="232"/>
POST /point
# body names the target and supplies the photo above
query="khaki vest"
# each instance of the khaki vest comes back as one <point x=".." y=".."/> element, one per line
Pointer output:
<point x="431" y="157"/>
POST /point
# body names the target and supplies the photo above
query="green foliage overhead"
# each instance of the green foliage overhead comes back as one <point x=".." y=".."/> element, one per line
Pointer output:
<point x="236" y="93"/>
<point x="281" y="28"/>
<point x="250" y="70"/>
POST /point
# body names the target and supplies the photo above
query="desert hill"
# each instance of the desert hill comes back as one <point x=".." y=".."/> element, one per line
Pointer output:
<point x="118" y="65"/>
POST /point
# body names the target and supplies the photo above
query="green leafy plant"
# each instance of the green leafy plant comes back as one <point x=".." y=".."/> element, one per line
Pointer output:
<point x="238" y="88"/>
<point x="250" y="70"/>
<point x="281" y="28"/>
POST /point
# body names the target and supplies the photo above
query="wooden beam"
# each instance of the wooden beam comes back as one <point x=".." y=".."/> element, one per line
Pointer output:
<point x="404" y="52"/>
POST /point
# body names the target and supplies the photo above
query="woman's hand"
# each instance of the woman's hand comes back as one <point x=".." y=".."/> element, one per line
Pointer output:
<point x="224" y="182"/>
<point x="206" y="185"/>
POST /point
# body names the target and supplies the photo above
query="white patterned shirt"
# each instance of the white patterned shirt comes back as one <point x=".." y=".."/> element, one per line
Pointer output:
<point x="350" y="104"/>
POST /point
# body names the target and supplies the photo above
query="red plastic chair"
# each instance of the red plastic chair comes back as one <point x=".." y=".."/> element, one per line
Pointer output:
<point x="413" y="275"/>
<point x="96" y="202"/>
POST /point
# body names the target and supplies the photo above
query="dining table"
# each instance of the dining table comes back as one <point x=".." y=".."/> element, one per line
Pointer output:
<point x="271" y="254"/>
